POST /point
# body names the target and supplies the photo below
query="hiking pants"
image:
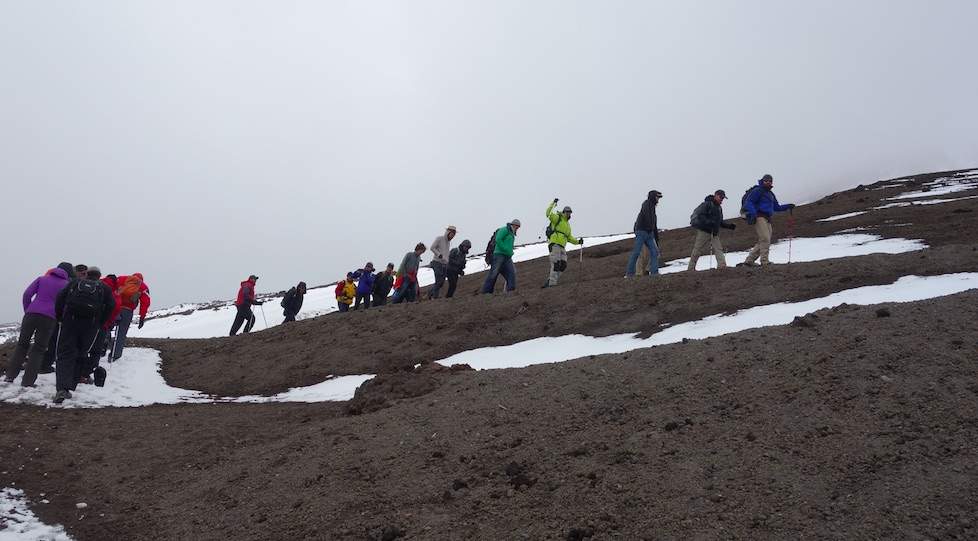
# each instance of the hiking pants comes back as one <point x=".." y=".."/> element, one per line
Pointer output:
<point x="501" y="264"/>
<point x="647" y="239"/>
<point x="342" y="306"/>
<point x="51" y="353"/>
<point x="125" y="319"/>
<point x="379" y="300"/>
<point x="558" y="260"/>
<point x="364" y="298"/>
<point x="764" y="231"/>
<point x="87" y="364"/>
<point x="40" y="327"/>
<point x="704" y="239"/>
<point x="440" y="275"/>
<point x="289" y="316"/>
<point x="452" y="283"/>
<point x="244" y="315"/>
<point x="75" y="340"/>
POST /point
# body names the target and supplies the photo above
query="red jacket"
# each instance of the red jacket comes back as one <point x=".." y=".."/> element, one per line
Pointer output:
<point x="246" y="293"/>
<point x="130" y="304"/>
<point x="114" y="287"/>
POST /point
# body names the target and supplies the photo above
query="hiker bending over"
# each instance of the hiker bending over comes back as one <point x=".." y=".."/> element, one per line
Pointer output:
<point x="292" y="302"/>
<point x="707" y="219"/>
<point x="759" y="206"/>
<point x="646" y="234"/>
<point x="246" y="298"/>
<point x="132" y="291"/>
<point x="83" y="307"/>
<point x="501" y="261"/>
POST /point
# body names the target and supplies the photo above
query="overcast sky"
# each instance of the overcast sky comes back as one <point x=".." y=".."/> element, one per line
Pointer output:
<point x="201" y="141"/>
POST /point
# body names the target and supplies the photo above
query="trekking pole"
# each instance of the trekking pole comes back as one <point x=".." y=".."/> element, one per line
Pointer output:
<point x="791" y="231"/>
<point x="262" y="306"/>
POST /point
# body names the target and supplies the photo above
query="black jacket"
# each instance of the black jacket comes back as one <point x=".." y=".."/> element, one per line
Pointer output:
<point x="456" y="261"/>
<point x="105" y="310"/>
<point x="708" y="217"/>
<point x="647" y="220"/>
<point x="292" y="302"/>
<point x="383" y="285"/>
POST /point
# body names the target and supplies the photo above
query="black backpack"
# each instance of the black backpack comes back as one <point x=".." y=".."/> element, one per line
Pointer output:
<point x="84" y="299"/>
<point x="490" y="248"/>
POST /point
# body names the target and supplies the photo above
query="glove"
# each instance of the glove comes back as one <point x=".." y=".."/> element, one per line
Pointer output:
<point x="142" y="321"/>
<point x="555" y="200"/>
<point x="259" y="303"/>
<point x="582" y="241"/>
<point x="751" y="219"/>
<point x="790" y="206"/>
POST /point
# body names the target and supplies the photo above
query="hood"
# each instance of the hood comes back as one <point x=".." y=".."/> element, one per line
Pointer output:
<point x="67" y="267"/>
<point x="138" y="275"/>
<point x="246" y="282"/>
<point x="761" y="183"/>
<point x="709" y="199"/>
<point x="59" y="272"/>
<point x="465" y="246"/>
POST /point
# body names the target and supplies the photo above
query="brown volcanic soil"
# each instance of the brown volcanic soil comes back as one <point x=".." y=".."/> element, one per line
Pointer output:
<point x="844" y="425"/>
<point x="851" y="426"/>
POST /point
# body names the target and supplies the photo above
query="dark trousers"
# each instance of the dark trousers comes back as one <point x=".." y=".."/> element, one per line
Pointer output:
<point x="41" y="327"/>
<point x="125" y="319"/>
<point x="380" y="300"/>
<point x="51" y="353"/>
<point x="342" y="306"/>
<point x="75" y="341"/>
<point x="440" y="272"/>
<point x="501" y="264"/>
<point x="89" y="363"/>
<point x="365" y="298"/>
<point x="452" y="283"/>
<point x="244" y="315"/>
<point x="289" y="316"/>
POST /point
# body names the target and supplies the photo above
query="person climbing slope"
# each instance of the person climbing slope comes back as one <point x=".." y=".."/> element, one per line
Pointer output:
<point x="243" y="303"/>
<point x="646" y="234"/>
<point x="383" y="284"/>
<point x="39" y="323"/>
<point x="502" y="257"/>
<point x="365" y="285"/>
<point x="346" y="291"/>
<point x="292" y="302"/>
<point x="134" y="292"/>
<point x="440" y="249"/>
<point x="456" y="265"/>
<point x="406" y="283"/>
<point x="559" y="234"/>
<point x="707" y="220"/>
<point x="759" y="206"/>
<point x="83" y="307"/>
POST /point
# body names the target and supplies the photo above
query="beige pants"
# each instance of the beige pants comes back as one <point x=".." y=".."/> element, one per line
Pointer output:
<point x="557" y="253"/>
<point x="763" y="246"/>
<point x="704" y="240"/>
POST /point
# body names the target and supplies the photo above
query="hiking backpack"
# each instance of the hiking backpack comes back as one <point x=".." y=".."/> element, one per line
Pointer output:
<point x="490" y="248"/>
<point x="743" y="202"/>
<point x="84" y="299"/>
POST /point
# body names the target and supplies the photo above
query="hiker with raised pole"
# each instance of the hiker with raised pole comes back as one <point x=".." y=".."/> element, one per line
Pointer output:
<point x="707" y="220"/>
<point x="758" y="207"/>
<point x="558" y="235"/>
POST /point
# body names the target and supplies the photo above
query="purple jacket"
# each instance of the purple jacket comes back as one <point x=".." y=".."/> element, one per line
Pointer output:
<point x="39" y="297"/>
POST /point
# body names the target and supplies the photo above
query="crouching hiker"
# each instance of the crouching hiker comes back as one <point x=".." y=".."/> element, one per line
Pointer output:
<point x="758" y="207"/>
<point x="292" y="302"/>
<point x="365" y="285"/>
<point x="456" y="265"/>
<point x="558" y="235"/>
<point x="345" y="292"/>
<point x="40" y="322"/>
<point x="133" y="291"/>
<point x="707" y="219"/>
<point x="84" y="306"/>
<point x="501" y="247"/>
<point x="406" y="284"/>
<point x="382" y="285"/>
<point x="246" y="298"/>
<point x="440" y="250"/>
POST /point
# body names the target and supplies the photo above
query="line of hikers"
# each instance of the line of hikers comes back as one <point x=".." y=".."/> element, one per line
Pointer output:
<point x="72" y="318"/>
<point x="365" y="288"/>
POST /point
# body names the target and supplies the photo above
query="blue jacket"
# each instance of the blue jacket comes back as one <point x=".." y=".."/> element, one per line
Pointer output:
<point x="762" y="202"/>
<point x="366" y="283"/>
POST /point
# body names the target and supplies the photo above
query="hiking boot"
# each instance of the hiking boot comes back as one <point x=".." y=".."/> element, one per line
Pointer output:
<point x="61" y="396"/>
<point x="545" y="285"/>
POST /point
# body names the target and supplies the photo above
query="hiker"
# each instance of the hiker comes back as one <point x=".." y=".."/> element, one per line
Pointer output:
<point x="440" y="249"/>
<point x="88" y="361"/>
<point x="133" y="291"/>
<point x="457" y="258"/>
<point x="103" y="341"/>
<point x="646" y="234"/>
<point x="83" y="307"/>
<point x="246" y="298"/>
<point x="707" y="219"/>
<point x="558" y="235"/>
<point x="47" y="365"/>
<point x="346" y="290"/>
<point x="365" y="285"/>
<point x="383" y="283"/>
<point x="406" y="283"/>
<point x="80" y="272"/>
<point x="502" y="257"/>
<point x="39" y="322"/>
<point x="759" y="205"/>
<point x="292" y="302"/>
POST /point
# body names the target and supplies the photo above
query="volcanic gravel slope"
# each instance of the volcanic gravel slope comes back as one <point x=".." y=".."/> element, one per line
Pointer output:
<point x="857" y="422"/>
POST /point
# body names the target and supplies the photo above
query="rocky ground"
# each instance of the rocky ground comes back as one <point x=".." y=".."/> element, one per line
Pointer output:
<point x="854" y="422"/>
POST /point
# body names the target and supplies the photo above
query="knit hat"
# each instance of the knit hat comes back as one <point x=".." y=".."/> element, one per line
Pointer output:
<point x="94" y="273"/>
<point x="655" y="194"/>
<point x="514" y="221"/>
<point x="369" y="266"/>
<point x="567" y="210"/>
<point x="722" y="194"/>
<point x="253" y="277"/>
<point x="767" y="177"/>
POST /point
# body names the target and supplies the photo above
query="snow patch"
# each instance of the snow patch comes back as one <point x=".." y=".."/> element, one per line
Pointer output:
<point x="925" y="202"/>
<point x="19" y="523"/>
<point x="842" y="216"/>
<point x="564" y="348"/>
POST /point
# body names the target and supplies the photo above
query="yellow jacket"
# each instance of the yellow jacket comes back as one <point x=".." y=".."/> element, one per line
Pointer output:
<point x="349" y="293"/>
<point x="561" y="228"/>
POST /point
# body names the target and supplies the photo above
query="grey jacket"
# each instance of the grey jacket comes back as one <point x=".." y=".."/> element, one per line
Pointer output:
<point x="440" y="249"/>
<point x="409" y="264"/>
